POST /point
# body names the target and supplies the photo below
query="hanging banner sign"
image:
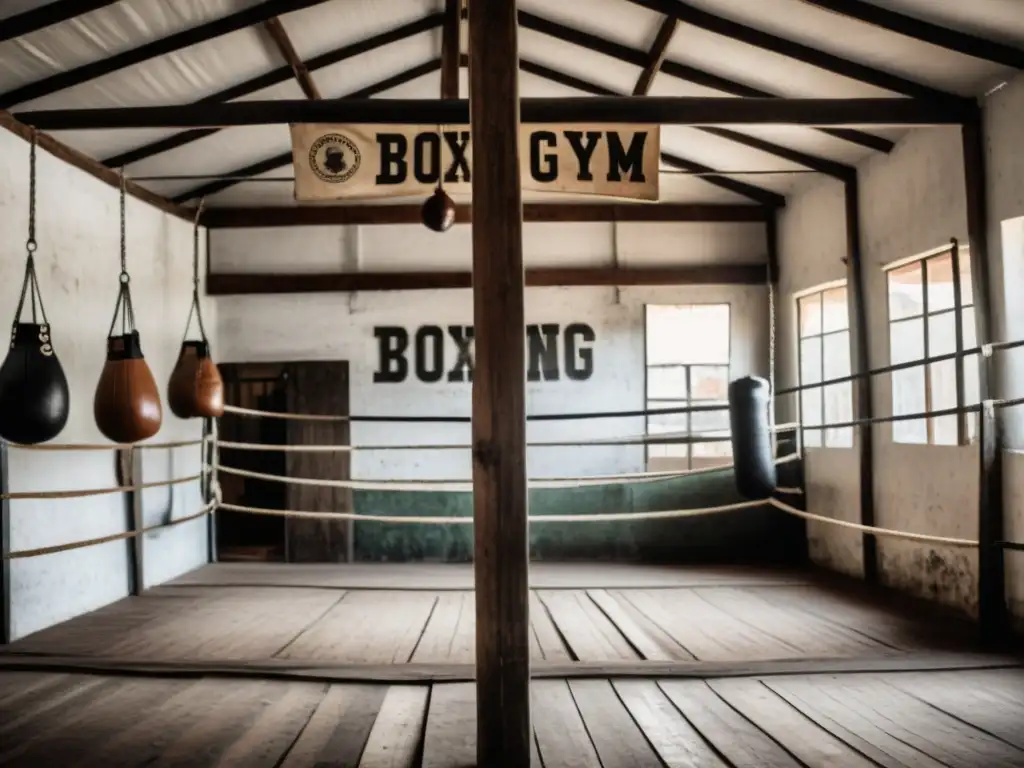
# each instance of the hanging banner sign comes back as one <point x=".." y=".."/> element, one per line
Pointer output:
<point x="336" y="162"/>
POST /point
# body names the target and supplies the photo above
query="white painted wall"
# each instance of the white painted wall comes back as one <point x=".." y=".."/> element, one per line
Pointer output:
<point x="340" y="327"/>
<point x="78" y="270"/>
<point x="912" y="201"/>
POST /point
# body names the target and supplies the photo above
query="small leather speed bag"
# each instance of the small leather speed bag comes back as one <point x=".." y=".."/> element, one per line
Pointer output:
<point x="127" y="403"/>
<point x="195" y="387"/>
<point x="34" y="397"/>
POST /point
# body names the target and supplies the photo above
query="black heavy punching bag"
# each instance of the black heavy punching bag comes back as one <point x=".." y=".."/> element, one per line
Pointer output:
<point x="749" y="404"/>
<point x="34" y="398"/>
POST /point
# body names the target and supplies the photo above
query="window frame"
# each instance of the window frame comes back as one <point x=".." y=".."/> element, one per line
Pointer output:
<point x="798" y="297"/>
<point x="688" y="400"/>
<point x="953" y="250"/>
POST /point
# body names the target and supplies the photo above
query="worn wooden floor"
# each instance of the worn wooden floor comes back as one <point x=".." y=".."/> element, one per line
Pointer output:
<point x="964" y="719"/>
<point x="423" y="616"/>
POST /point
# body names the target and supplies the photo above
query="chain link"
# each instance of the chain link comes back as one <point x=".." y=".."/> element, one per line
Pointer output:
<point x="124" y="243"/>
<point x="195" y="245"/>
<point x="30" y="244"/>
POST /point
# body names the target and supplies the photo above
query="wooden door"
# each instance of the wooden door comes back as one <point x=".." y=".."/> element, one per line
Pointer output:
<point x="318" y="388"/>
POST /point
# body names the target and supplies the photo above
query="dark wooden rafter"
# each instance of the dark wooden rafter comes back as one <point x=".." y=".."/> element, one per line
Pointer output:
<point x="450" y="49"/>
<point x="925" y="31"/>
<point x="234" y="284"/>
<point x="655" y="56"/>
<point x="822" y="165"/>
<point x="400" y="213"/>
<point x="212" y="29"/>
<point x="275" y="77"/>
<point x="47" y="16"/>
<point x="665" y="110"/>
<point x="94" y="168"/>
<point x="285" y="158"/>
<point x="683" y="72"/>
<point x="283" y="43"/>
<point x="718" y="25"/>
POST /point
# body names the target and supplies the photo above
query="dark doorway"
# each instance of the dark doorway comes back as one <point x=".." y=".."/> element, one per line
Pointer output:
<point x="306" y="387"/>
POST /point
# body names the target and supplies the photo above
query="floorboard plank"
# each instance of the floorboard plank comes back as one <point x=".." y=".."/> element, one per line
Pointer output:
<point x="398" y="729"/>
<point x="804" y="739"/>
<point x="652" y="642"/>
<point x="450" y="740"/>
<point x="676" y="741"/>
<point x="807" y="695"/>
<point x="562" y="739"/>
<point x="549" y="641"/>
<point x="618" y="740"/>
<point x="990" y="701"/>
<point x="741" y="742"/>
<point x="591" y="636"/>
<point x="335" y="735"/>
<point x="450" y="634"/>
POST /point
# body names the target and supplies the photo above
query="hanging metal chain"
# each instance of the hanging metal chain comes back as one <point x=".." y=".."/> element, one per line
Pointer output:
<point x="124" y="296"/>
<point x="771" y="353"/>
<point x="195" y="309"/>
<point x="124" y="241"/>
<point x="30" y="286"/>
<point x="30" y="244"/>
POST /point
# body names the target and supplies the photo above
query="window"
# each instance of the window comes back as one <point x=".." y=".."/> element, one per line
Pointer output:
<point x="923" y="315"/>
<point x="688" y="364"/>
<point x="824" y="354"/>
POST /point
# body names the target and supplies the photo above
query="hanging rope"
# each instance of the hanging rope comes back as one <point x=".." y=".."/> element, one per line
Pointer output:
<point x="30" y="285"/>
<point x="195" y="309"/>
<point x="124" y="296"/>
<point x="771" y="350"/>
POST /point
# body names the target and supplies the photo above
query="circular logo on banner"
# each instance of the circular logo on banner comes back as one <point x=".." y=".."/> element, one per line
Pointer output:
<point x="334" y="158"/>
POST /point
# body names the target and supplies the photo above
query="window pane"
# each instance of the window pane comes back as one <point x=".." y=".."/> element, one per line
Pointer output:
<point x="970" y="329"/>
<point x="837" y="355"/>
<point x="810" y="315"/>
<point x="710" y="382"/>
<point x="660" y="423"/>
<point x="710" y="421"/>
<point x="834" y="315"/>
<point x="966" y="283"/>
<point x="941" y="334"/>
<point x="906" y="292"/>
<point x="810" y="360"/>
<point x="972" y="387"/>
<point x="908" y="397"/>
<point x="667" y="383"/>
<point x="906" y="341"/>
<point x="940" y="283"/>
<point x="943" y="385"/>
<point x="723" y="448"/>
<point x="810" y="415"/>
<point x="839" y="409"/>
<point x="693" y="333"/>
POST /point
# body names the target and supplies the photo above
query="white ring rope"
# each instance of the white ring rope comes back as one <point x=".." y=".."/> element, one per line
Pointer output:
<point x="76" y="494"/>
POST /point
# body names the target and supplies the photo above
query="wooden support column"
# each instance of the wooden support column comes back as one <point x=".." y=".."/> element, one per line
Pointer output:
<point x="501" y="554"/>
<point x="856" y="292"/>
<point x="992" y="615"/>
<point x="5" y="549"/>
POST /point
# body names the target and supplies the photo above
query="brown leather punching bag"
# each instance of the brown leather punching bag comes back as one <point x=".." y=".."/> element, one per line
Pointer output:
<point x="195" y="387"/>
<point x="127" y="402"/>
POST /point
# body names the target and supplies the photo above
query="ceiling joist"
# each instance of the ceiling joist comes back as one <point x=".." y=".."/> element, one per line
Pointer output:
<point x="655" y="57"/>
<point x="283" y="43"/>
<point x="450" y="49"/>
<point x="925" y="31"/>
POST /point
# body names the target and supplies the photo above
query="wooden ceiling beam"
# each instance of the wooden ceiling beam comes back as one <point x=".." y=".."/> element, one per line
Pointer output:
<point x="925" y="31"/>
<point x="451" y="38"/>
<point x="92" y="167"/>
<point x="275" y="77"/>
<point x="231" y="284"/>
<point x="285" y="158"/>
<point x="683" y="72"/>
<point x="688" y="14"/>
<point x="257" y="14"/>
<point x="663" y="110"/>
<point x="822" y="165"/>
<point x="402" y="213"/>
<point x="283" y="43"/>
<point x="655" y="57"/>
<point x="47" y="16"/>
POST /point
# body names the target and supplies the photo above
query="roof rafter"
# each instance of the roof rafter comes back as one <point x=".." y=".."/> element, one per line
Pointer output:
<point x="257" y="14"/>
<point x="285" y="158"/>
<point x="283" y="43"/>
<point x="274" y="77"/>
<point x="47" y="15"/>
<point x="822" y="165"/>
<point x="719" y="25"/>
<point x="925" y="31"/>
<point x="451" y="41"/>
<point x="682" y="72"/>
<point x="655" y="56"/>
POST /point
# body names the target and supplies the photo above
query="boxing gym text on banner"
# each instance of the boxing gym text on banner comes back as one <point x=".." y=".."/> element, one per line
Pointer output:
<point x="334" y="162"/>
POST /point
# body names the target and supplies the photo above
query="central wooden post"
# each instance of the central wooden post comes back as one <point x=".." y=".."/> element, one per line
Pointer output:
<point x="499" y="392"/>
